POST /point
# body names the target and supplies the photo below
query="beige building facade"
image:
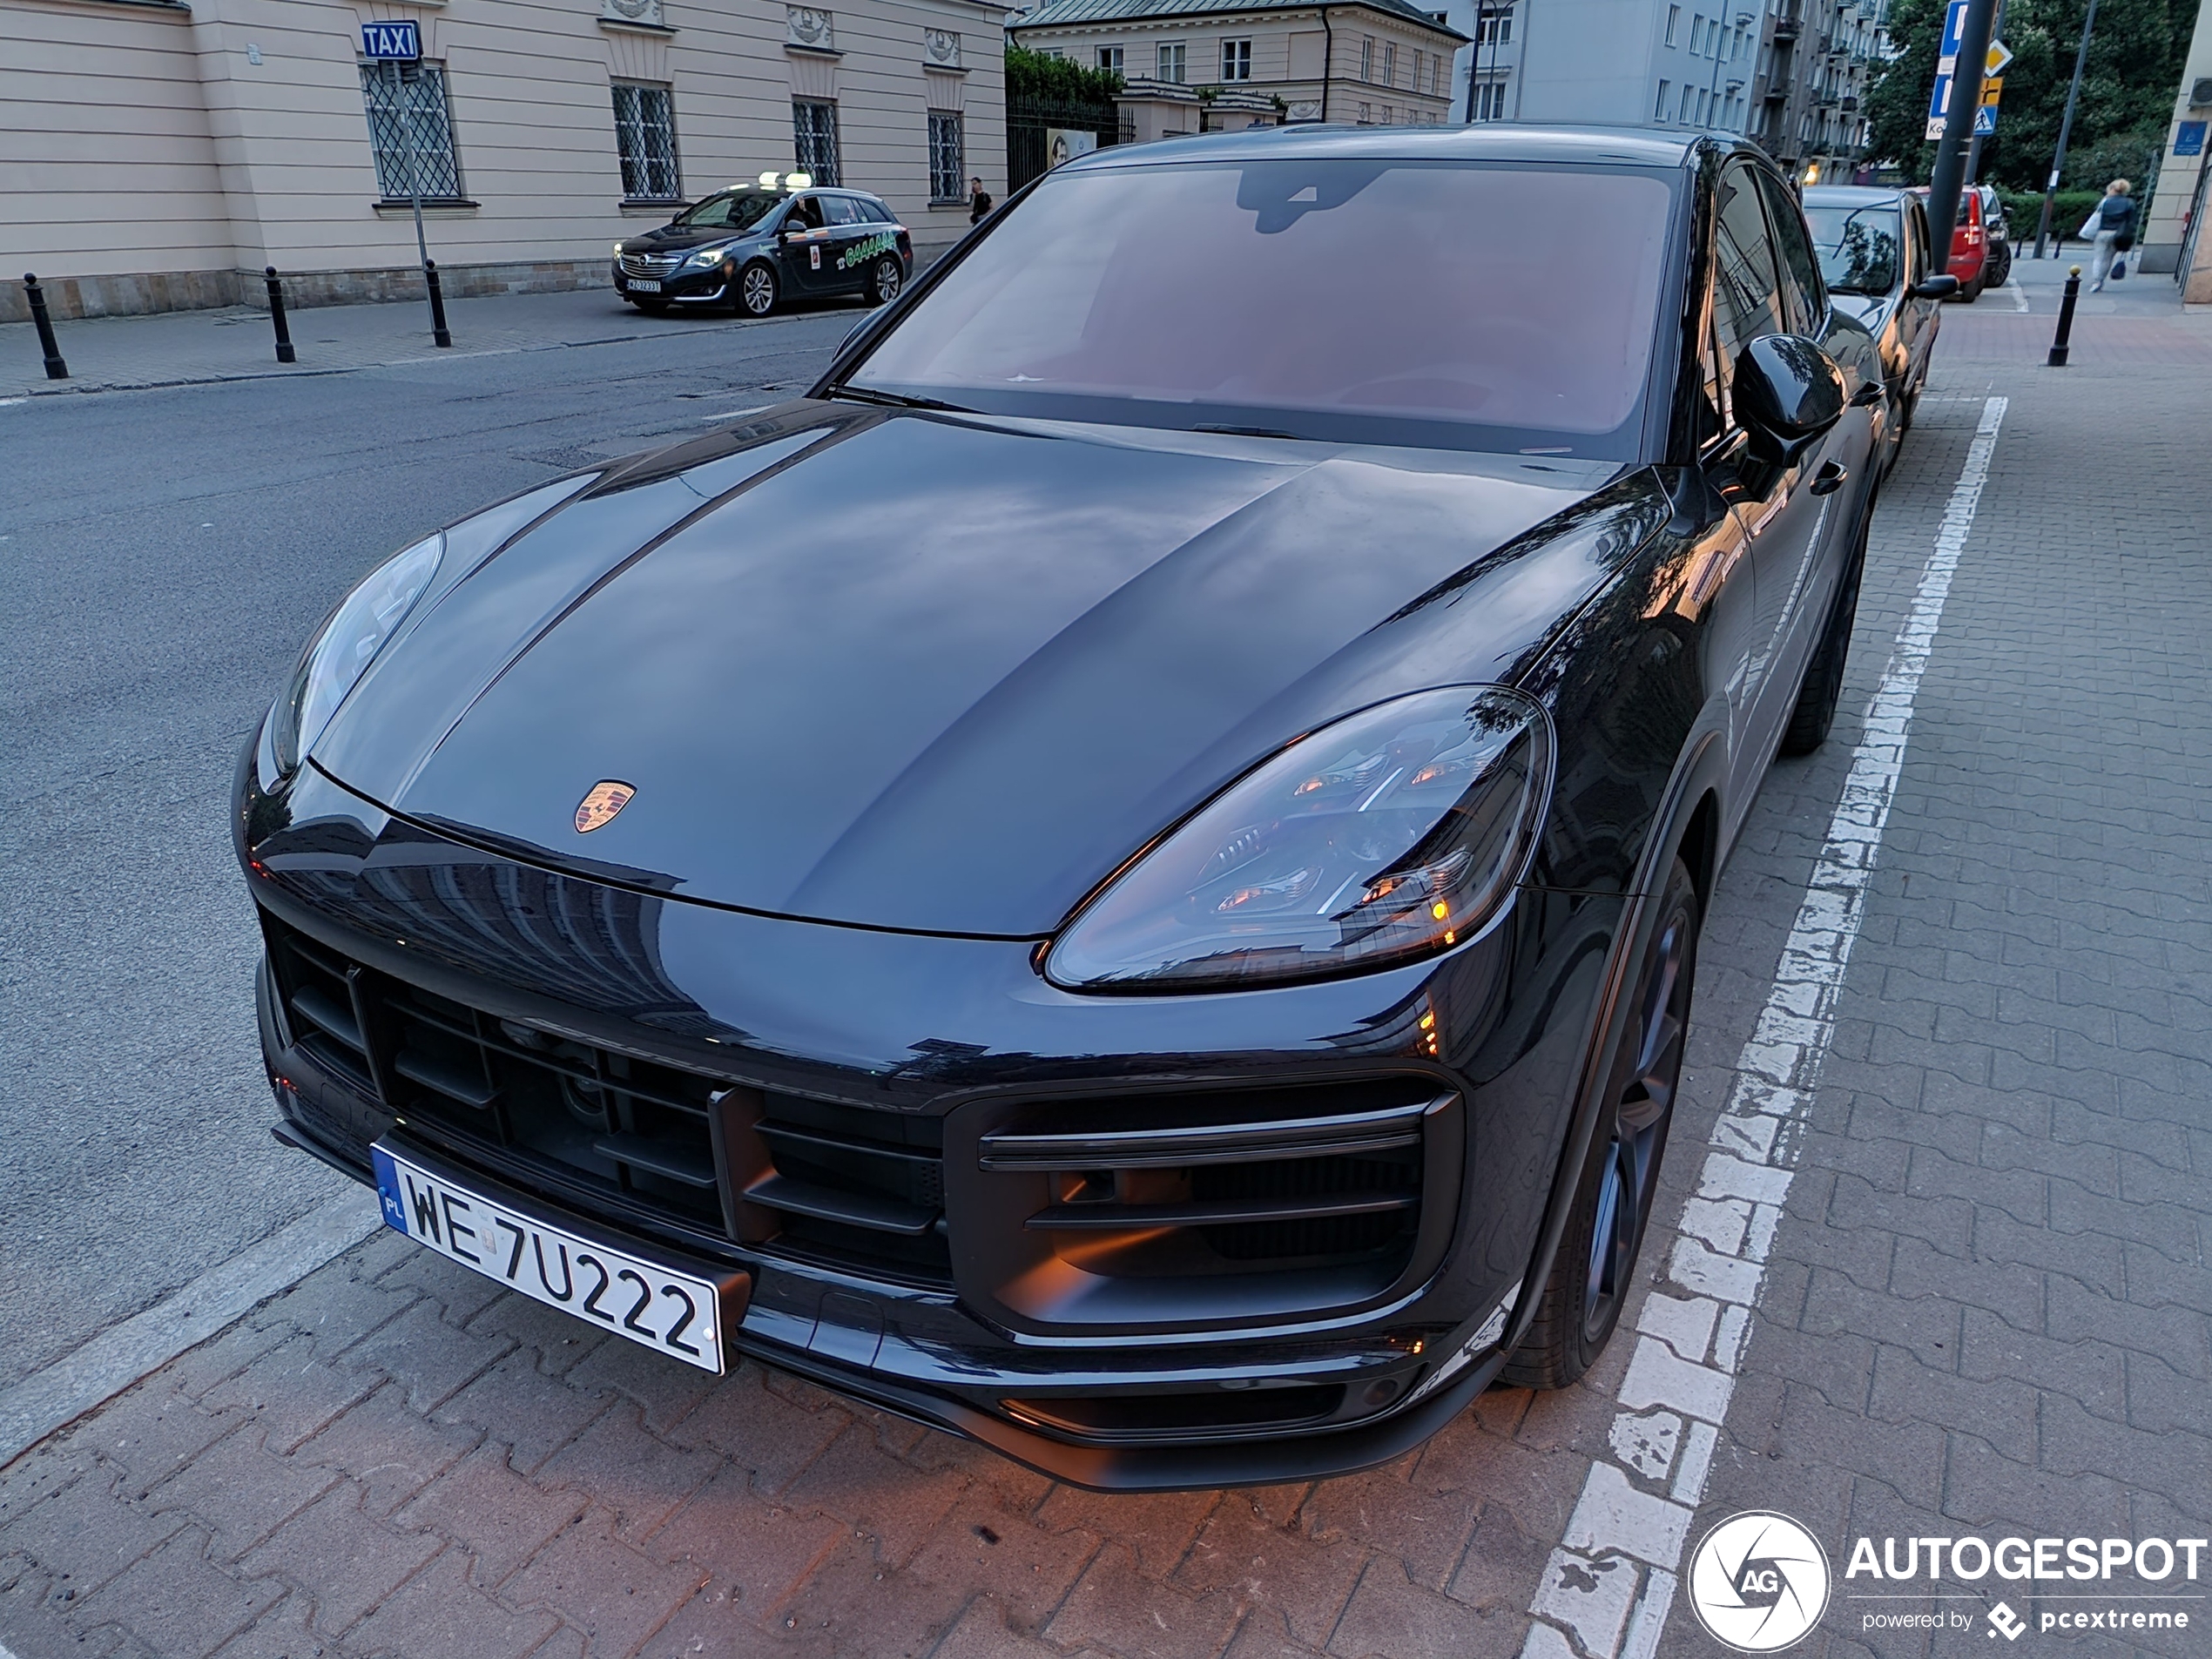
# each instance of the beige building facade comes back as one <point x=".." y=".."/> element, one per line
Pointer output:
<point x="1379" y="63"/>
<point x="156" y="154"/>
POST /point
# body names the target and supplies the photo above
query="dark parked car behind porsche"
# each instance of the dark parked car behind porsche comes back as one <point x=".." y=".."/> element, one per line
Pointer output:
<point x="1873" y="248"/>
<point x="1124" y="878"/>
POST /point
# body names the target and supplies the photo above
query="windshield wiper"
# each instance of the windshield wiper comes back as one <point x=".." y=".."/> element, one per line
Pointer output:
<point x="895" y="400"/>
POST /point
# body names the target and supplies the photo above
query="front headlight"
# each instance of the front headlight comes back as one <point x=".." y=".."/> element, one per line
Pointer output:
<point x="706" y="256"/>
<point x="1391" y="834"/>
<point x="342" y="648"/>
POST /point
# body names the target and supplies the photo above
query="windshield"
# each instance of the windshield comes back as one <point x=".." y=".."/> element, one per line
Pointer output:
<point x="731" y="213"/>
<point x="1467" y="306"/>
<point x="1858" y="247"/>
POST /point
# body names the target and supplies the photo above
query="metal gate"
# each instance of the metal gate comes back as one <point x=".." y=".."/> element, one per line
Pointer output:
<point x="1030" y="127"/>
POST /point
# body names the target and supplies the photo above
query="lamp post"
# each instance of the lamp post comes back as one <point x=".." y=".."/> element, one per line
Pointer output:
<point x="2066" y="126"/>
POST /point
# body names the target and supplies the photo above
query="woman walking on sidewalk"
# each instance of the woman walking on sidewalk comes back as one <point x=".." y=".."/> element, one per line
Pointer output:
<point x="2111" y="224"/>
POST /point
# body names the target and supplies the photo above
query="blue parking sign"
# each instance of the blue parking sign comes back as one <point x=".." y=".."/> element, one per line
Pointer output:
<point x="384" y="41"/>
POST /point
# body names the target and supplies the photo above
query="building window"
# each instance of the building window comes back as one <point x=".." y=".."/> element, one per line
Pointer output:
<point x="1390" y="63"/>
<point x="1489" y="98"/>
<point x="1659" y="109"/>
<point x="1494" y="26"/>
<point x="1702" y="97"/>
<point x="1367" y="58"/>
<point x="1235" y="60"/>
<point x="1689" y="103"/>
<point x="814" y="130"/>
<point x="948" y="160"/>
<point x="409" y="122"/>
<point x="1673" y="23"/>
<point x="1110" y="57"/>
<point x="1170" y="61"/>
<point x="646" y="137"/>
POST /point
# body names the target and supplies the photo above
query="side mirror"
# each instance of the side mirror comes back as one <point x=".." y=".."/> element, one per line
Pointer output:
<point x="1934" y="288"/>
<point x="1788" y="392"/>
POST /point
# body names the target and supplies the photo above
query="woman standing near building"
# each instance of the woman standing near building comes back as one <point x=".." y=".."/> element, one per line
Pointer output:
<point x="2111" y="225"/>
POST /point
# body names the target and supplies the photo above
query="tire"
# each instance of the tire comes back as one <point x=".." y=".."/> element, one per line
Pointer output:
<point x="1595" y="1268"/>
<point x="886" y="277"/>
<point x="757" y="292"/>
<point x="1824" y="682"/>
<point x="1970" y="291"/>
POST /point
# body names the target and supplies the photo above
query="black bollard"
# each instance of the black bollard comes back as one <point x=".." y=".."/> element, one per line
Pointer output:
<point x="285" y="353"/>
<point x="2059" y="342"/>
<point x="438" y="332"/>
<point x="56" y="369"/>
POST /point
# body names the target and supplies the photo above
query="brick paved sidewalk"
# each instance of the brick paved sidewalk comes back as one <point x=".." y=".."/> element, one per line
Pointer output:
<point x="180" y="347"/>
<point x="1986" y="1304"/>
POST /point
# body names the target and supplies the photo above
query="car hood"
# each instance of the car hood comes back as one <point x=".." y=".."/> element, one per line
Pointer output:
<point x="674" y="239"/>
<point x="942" y="674"/>
<point x="1866" y="309"/>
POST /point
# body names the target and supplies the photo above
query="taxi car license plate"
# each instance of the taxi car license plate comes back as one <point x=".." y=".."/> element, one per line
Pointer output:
<point x="677" y="1314"/>
<point x="639" y="285"/>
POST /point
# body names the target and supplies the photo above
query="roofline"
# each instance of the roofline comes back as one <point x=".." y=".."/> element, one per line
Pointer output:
<point x="1233" y="8"/>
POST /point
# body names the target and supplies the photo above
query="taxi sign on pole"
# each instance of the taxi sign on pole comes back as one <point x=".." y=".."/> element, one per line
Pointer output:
<point x="398" y="42"/>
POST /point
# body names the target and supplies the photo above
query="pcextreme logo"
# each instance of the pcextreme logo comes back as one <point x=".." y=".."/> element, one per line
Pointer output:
<point x="1758" y="1582"/>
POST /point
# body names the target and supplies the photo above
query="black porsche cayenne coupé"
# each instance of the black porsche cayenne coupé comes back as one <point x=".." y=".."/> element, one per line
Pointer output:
<point x="1124" y="878"/>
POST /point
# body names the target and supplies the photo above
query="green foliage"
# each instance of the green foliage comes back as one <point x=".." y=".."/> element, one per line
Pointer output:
<point x="2024" y="208"/>
<point x="1061" y="80"/>
<point x="2128" y="87"/>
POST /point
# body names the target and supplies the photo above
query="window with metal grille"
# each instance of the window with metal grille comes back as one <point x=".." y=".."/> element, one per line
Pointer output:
<point x="1235" y="60"/>
<point x="646" y="137"/>
<point x="947" y="163"/>
<point x="814" y="128"/>
<point x="410" y="130"/>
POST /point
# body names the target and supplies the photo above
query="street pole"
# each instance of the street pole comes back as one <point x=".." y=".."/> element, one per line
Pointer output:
<point x="2066" y="126"/>
<point x="1958" y="121"/>
<point x="438" y="331"/>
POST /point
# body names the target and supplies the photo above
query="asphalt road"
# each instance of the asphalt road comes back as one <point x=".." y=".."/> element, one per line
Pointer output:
<point x="163" y="554"/>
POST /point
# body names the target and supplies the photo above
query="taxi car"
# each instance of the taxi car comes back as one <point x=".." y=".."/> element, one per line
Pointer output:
<point x="1123" y="877"/>
<point x="754" y="245"/>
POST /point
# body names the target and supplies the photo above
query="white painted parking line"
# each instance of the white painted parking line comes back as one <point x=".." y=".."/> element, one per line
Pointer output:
<point x="2018" y="293"/>
<point x="64" y="1390"/>
<point x="1631" y="1519"/>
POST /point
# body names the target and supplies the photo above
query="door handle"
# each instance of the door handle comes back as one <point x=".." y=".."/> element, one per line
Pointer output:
<point x="1867" y="396"/>
<point x="1829" y="479"/>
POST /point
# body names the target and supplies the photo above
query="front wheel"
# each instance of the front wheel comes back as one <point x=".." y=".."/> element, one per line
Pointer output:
<point x="1824" y="682"/>
<point x="756" y="290"/>
<point x="885" y="277"/>
<point x="1595" y="1267"/>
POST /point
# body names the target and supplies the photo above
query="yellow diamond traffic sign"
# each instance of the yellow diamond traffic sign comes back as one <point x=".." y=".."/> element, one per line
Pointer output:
<point x="1999" y="56"/>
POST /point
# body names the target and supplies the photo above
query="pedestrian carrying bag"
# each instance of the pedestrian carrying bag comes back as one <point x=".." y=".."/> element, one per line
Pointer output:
<point x="2118" y="269"/>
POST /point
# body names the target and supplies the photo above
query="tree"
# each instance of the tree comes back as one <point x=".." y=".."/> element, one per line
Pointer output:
<point x="2128" y="88"/>
<point x="1048" y="78"/>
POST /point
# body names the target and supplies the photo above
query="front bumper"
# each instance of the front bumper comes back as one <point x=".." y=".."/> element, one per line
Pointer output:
<point x="681" y="286"/>
<point x="1166" y="1369"/>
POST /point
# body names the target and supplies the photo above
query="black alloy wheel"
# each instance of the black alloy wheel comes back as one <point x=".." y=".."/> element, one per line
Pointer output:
<point x="886" y="277"/>
<point x="1822" y="685"/>
<point x="756" y="290"/>
<point x="1595" y="1268"/>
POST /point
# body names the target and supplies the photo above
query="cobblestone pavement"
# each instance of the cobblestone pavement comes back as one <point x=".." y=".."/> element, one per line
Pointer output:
<point x="1983" y="1306"/>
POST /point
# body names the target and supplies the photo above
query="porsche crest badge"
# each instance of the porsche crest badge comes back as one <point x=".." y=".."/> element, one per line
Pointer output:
<point x="607" y="797"/>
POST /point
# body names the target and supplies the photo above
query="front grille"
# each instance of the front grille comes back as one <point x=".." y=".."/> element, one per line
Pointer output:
<point x="1198" y="1205"/>
<point x="651" y="265"/>
<point x="845" y="1186"/>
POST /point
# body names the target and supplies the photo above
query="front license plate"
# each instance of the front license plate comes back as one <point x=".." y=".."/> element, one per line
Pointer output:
<point x="660" y="1307"/>
<point x="639" y="285"/>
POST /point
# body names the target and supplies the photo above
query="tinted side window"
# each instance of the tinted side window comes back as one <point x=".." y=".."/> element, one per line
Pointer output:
<point x="1747" y="297"/>
<point x="841" y="210"/>
<point x="1803" y="292"/>
<point x="1922" y="258"/>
